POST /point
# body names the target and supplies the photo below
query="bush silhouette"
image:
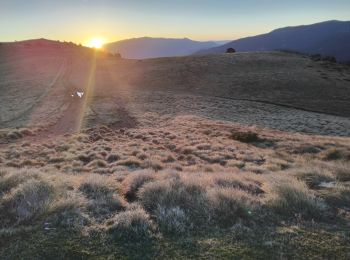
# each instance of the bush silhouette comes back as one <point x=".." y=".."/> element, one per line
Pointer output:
<point x="230" y="50"/>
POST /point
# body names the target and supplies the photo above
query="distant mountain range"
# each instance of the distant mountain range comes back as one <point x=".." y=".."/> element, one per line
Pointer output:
<point x="331" y="38"/>
<point x="146" y="47"/>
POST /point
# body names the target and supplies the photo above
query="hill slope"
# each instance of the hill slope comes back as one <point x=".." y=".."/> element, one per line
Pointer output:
<point x="330" y="38"/>
<point x="271" y="89"/>
<point x="142" y="48"/>
<point x="172" y="157"/>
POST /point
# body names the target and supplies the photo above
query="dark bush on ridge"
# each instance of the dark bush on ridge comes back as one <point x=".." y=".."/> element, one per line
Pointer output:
<point x="230" y="50"/>
<point x="245" y="137"/>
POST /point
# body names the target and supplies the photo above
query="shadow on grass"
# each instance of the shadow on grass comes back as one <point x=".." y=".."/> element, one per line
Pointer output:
<point x="275" y="243"/>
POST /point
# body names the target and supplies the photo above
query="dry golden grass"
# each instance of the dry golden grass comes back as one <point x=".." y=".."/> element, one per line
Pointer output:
<point x="174" y="179"/>
<point x="153" y="164"/>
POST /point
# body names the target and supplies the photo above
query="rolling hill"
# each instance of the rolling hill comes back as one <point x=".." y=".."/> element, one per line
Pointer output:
<point x="38" y="78"/>
<point x="146" y="47"/>
<point x="331" y="38"/>
<point x="190" y="157"/>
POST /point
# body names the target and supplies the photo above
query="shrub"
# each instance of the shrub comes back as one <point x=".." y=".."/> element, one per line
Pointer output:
<point x="230" y="50"/>
<point x="27" y="201"/>
<point x="228" y="205"/>
<point x="131" y="225"/>
<point x="133" y="182"/>
<point x="292" y="197"/>
<point x="333" y="154"/>
<point x="245" y="137"/>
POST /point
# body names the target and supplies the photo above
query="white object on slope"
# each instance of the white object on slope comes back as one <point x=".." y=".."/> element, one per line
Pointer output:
<point x="80" y="94"/>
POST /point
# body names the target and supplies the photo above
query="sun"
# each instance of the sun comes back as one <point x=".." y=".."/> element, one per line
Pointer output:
<point x="96" y="43"/>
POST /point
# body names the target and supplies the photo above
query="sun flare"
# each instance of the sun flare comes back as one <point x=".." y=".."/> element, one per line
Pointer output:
<point x="96" y="43"/>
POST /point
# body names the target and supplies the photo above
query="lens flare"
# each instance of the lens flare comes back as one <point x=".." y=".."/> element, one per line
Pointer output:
<point x="96" y="43"/>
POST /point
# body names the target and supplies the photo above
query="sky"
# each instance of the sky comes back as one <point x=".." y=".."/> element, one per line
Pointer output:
<point x="111" y="20"/>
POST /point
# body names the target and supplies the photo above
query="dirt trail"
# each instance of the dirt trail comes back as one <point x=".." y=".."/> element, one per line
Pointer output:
<point x="72" y="111"/>
<point x="69" y="121"/>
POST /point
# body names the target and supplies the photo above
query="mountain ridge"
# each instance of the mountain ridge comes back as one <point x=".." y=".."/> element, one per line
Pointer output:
<point x="149" y="47"/>
<point x="330" y="38"/>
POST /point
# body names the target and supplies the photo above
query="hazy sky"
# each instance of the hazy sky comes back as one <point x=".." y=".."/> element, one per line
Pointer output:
<point x="81" y="20"/>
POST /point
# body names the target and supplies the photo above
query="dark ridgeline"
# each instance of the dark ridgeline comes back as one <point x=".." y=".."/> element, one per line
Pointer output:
<point x="146" y="47"/>
<point x="331" y="38"/>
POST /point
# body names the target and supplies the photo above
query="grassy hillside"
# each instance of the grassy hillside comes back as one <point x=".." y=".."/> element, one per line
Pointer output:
<point x="246" y="88"/>
<point x="189" y="188"/>
<point x="174" y="158"/>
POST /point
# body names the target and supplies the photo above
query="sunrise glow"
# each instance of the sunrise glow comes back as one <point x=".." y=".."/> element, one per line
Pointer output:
<point x="96" y="43"/>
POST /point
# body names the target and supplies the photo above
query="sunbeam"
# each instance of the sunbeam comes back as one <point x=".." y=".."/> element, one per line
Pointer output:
<point x="88" y="95"/>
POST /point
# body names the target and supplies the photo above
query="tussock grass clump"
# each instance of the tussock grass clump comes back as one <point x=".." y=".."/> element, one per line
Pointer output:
<point x="56" y="160"/>
<point x="238" y="181"/>
<point x="69" y="212"/>
<point x="313" y="177"/>
<point x="142" y="156"/>
<point x="133" y="182"/>
<point x="190" y="201"/>
<point x="306" y="149"/>
<point x="62" y="148"/>
<point x="85" y="158"/>
<point x="342" y="171"/>
<point x="112" y="158"/>
<point x="169" y="159"/>
<point x="98" y="163"/>
<point x="334" y="154"/>
<point x="228" y="205"/>
<point x="31" y="163"/>
<point x="25" y="131"/>
<point x="131" y="225"/>
<point x="130" y="162"/>
<point x="187" y="194"/>
<point x="290" y="197"/>
<point x="154" y="164"/>
<point x="10" y="178"/>
<point x="338" y="196"/>
<point x="103" y="198"/>
<point x="26" y="202"/>
<point x="14" y="135"/>
<point x="172" y="220"/>
<point x="244" y="137"/>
